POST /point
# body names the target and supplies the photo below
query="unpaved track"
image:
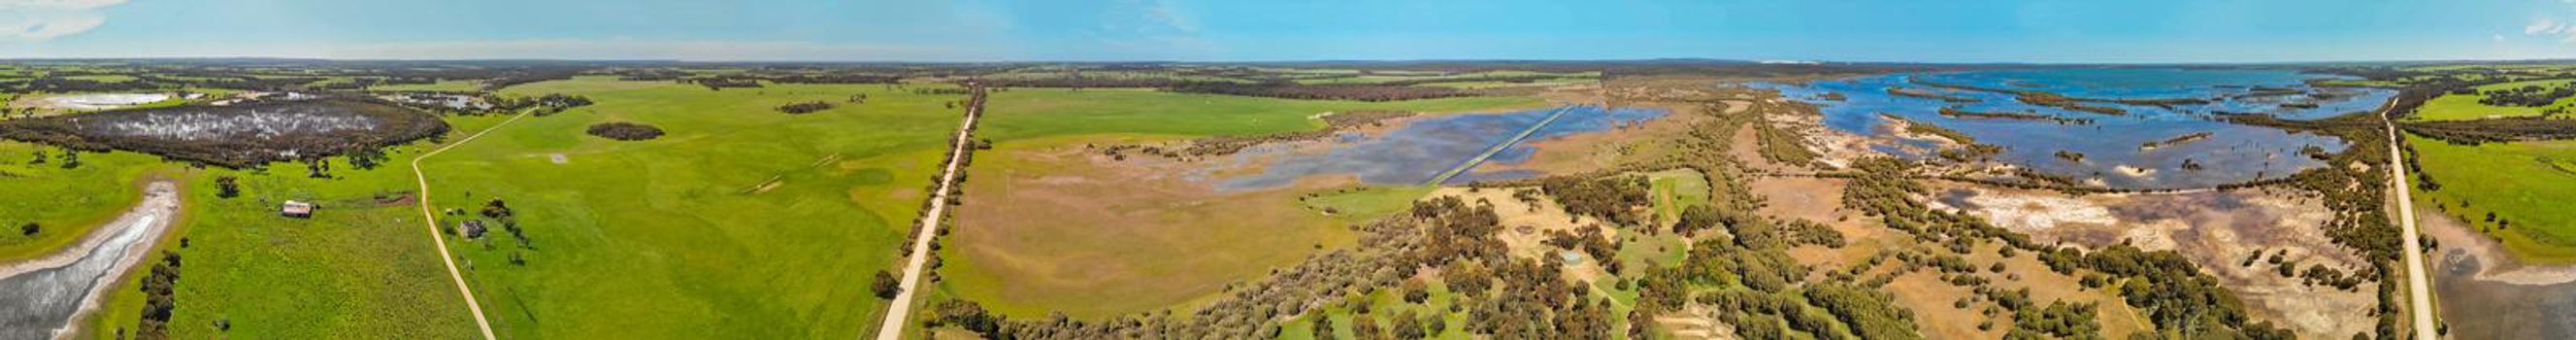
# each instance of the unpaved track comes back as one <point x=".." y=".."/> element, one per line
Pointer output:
<point x="900" y="309"/>
<point x="430" y="219"/>
<point x="2419" y="290"/>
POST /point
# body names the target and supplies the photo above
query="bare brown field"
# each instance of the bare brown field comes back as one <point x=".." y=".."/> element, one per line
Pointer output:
<point x="1081" y="233"/>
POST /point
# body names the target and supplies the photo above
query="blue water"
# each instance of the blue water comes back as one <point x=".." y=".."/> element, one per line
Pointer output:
<point x="1421" y="150"/>
<point x="2235" y="153"/>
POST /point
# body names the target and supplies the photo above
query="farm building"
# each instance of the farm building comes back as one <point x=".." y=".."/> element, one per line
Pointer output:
<point x="295" y="209"/>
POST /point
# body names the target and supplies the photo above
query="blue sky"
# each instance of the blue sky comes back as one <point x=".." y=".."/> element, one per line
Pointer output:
<point x="1189" y="30"/>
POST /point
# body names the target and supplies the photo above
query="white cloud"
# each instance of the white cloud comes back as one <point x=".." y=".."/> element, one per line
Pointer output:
<point x="2547" y="27"/>
<point x="38" y="20"/>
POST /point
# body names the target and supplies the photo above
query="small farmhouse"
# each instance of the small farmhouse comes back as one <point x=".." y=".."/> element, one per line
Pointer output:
<point x="296" y="209"/>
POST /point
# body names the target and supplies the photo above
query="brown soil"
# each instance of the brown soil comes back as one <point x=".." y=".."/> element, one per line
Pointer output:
<point x="1060" y="228"/>
<point x="2217" y="230"/>
<point x="1936" y="315"/>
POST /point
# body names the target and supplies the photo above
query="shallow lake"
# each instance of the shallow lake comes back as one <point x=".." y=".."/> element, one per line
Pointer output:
<point x="102" y="101"/>
<point x="1428" y="146"/>
<point x="2111" y="144"/>
<point x="2481" y="309"/>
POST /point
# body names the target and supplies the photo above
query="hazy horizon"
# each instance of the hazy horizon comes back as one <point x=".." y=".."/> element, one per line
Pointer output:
<point x="2198" y="31"/>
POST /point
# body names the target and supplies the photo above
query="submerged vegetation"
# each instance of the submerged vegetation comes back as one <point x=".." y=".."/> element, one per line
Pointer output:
<point x="238" y="135"/>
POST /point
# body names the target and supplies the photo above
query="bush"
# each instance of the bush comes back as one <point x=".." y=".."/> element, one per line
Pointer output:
<point x="804" y="108"/>
<point x="886" y="286"/>
<point x="625" y="131"/>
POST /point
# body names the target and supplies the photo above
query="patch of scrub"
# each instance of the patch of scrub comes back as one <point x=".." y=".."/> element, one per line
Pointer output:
<point x="241" y="135"/>
<point x="2217" y="230"/>
<point x="1423" y="148"/>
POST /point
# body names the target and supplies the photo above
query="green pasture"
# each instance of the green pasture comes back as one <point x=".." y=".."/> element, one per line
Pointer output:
<point x="2466" y="106"/>
<point x="2525" y="184"/>
<point x="740" y="222"/>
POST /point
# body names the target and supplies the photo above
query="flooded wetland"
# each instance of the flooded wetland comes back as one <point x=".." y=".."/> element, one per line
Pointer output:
<point x="2137" y="128"/>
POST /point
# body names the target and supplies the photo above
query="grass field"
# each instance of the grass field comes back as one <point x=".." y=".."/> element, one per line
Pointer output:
<point x="2466" y="106"/>
<point x="1046" y="228"/>
<point x="2526" y="184"/>
<point x="740" y="222"/>
<point x="1675" y="190"/>
<point x="441" y="85"/>
<point x="1361" y="204"/>
<point x="63" y="203"/>
<point x="360" y="268"/>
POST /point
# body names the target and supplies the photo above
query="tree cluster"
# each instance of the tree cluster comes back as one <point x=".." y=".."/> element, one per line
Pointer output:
<point x="545" y="105"/>
<point x="804" y="108"/>
<point x="2528" y="95"/>
<point x="625" y="131"/>
<point x="159" y="291"/>
<point x="2496" y="130"/>
<point x="1608" y="198"/>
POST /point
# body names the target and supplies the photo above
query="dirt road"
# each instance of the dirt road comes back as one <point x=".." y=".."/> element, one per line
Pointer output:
<point x="2419" y="289"/>
<point x="429" y="219"/>
<point x="40" y="298"/>
<point x="900" y="309"/>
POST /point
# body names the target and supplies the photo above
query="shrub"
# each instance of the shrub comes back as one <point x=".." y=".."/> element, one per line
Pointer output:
<point x="886" y="286"/>
<point x="625" y="131"/>
<point x="804" y="108"/>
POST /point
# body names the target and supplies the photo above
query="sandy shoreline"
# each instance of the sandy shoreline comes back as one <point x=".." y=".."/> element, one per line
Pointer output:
<point x="2494" y="263"/>
<point x="159" y="206"/>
